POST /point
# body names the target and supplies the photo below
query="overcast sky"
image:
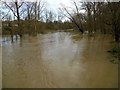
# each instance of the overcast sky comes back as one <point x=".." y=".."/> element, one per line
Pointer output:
<point x="51" y="3"/>
<point x="55" y="4"/>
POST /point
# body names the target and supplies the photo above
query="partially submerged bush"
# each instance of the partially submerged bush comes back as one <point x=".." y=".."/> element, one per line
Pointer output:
<point x="115" y="51"/>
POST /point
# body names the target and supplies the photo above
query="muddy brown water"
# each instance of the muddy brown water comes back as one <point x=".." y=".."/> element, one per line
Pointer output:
<point x="56" y="60"/>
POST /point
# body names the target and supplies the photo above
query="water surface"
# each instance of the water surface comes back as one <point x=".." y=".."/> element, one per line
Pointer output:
<point x="57" y="60"/>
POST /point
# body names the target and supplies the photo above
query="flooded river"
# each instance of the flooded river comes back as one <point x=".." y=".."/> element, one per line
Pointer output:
<point x="56" y="60"/>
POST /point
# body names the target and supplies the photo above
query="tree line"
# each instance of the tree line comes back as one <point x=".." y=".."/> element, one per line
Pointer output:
<point x="35" y="17"/>
<point x="98" y="17"/>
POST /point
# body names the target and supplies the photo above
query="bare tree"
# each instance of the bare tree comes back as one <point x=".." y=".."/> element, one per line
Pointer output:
<point x="15" y="9"/>
<point x="71" y="16"/>
<point x="114" y="8"/>
<point x="34" y="13"/>
<point x="87" y="6"/>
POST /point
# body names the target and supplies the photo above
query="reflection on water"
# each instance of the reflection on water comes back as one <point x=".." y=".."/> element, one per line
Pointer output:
<point x="57" y="60"/>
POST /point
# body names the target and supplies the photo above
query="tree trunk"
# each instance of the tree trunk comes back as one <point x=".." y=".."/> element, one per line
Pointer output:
<point x="18" y="19"/>
<point x="116" y="32"/>
<point x="117" y="37"/>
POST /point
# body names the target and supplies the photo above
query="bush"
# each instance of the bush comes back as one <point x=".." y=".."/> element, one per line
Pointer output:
<point x="115" y="51"/>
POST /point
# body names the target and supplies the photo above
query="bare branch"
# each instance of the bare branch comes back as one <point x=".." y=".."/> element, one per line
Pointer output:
<point x="10" y="8"/>
<point x="72" y="19"/>
<point x="21" y="4"/>
<point x="6" y="14"/>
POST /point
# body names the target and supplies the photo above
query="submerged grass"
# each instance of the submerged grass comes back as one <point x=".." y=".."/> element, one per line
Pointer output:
<point x="76" y="36"/>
